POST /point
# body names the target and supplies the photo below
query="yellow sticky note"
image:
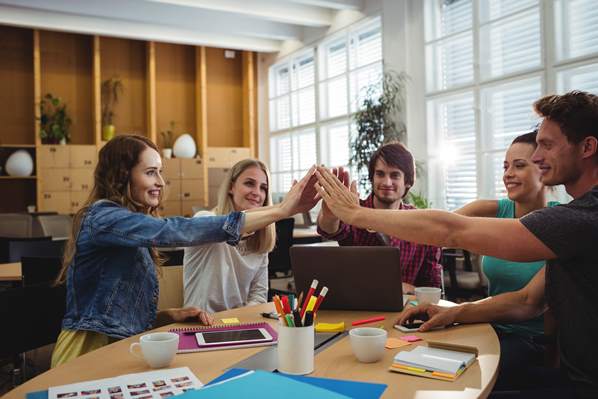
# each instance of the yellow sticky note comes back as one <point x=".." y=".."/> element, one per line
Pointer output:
<point x="330" y="327"/>
<point x="394" y="343"/>
<point x="232" y="320"/>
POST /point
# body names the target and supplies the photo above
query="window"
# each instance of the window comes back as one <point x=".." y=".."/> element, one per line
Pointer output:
<point x="310" y="116"/>
<point x="485" y="66"/>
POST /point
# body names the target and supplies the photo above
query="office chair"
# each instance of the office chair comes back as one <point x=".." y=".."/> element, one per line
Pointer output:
<point x="5" y="240"/>
<point x="15" y="225"/>
<point x="57" y="226"/>
<point x="279" y="260"/>
<point x="459" y="283"/>
<point x="35" y="314"/>
<point x="42" y="248"/>
<point x="40" y="270"/>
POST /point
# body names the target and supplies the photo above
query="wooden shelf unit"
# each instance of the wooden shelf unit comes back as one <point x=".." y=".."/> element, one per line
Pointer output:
<point x="211" y="97"/>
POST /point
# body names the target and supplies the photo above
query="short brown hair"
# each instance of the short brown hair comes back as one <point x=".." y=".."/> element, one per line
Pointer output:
<point x="575" y="112"/>
<point x="398" y="156"/>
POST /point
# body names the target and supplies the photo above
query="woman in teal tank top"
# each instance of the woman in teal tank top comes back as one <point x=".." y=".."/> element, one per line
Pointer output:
<point x="519" y="343"/>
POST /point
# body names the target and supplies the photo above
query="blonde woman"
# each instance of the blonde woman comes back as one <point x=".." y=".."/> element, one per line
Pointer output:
<point x="218" y="276"/>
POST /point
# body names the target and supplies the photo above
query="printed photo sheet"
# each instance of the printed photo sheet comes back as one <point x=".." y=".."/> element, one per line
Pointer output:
<point x="157" y="384"/>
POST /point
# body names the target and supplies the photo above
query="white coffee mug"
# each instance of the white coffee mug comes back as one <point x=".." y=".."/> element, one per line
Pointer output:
<point x="368" y="343"/>
<point x="427" y="295"/>
<point x="157" y="349"/>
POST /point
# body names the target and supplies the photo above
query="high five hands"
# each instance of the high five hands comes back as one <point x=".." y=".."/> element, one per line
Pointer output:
<point x="340" y="197"/>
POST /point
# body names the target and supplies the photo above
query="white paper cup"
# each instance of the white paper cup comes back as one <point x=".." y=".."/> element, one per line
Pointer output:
<point x="296" y="350"/>
<point x="368" y="343"/>
<point x="157" y="349"/>
<point x="427" y="295"/>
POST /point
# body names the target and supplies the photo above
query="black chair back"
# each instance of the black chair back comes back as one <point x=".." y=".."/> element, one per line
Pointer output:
<point x="48" y="248"/>
<point x="40" y="271"/>
<point x="33" y="316"/>
<point x="279" y="260"/>
<point x="4" y="245"/>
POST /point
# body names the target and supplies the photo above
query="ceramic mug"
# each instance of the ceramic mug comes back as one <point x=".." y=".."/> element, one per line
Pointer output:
<point x="427" y="295"/>
<point x="157" y="349"/>
<point x="368" y="343"/>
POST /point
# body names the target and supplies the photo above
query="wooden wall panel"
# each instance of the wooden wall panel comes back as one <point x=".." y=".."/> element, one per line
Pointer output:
<point x="224" y="99"/>
<point x="175" y="88"/>
<point x="126" y="59"/>
<point x="16" y="86"/>
<point x="66" y="72"/>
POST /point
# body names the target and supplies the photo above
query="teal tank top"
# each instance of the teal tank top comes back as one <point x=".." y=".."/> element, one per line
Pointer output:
<point x="506" y="276"/>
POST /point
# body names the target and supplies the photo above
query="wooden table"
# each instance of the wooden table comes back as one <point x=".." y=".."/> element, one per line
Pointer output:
<point x="336" y="361"/>
<point x="10" y="271"/>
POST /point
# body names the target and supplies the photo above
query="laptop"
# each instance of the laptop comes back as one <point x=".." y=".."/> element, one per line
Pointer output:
<point x="358" y="278"/>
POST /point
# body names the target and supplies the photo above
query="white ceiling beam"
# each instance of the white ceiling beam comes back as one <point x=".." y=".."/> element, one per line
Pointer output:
<point x="17" y="16"/>
<point x="270" y="10"/>
<point x="334" y="4"/>
<point x="179" y="17"/>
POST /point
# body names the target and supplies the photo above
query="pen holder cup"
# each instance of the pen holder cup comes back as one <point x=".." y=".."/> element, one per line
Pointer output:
<point x="296" y="350"/>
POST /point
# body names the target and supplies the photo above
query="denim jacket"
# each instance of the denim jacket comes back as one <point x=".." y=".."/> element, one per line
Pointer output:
<point x="112" y="287"/>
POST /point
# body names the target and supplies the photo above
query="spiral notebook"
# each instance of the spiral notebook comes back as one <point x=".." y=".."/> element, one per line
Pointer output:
<point x="188" y="341"/>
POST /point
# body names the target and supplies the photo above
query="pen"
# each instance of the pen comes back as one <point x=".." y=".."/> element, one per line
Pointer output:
<point x="297" y="318"/>
<point x="309" y="318"/>
<point x="320" y="298"/>
<point x="366" y="321"/>
<point x="312" y="288"/>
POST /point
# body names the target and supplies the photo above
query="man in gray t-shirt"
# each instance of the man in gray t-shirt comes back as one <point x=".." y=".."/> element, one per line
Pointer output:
<point x="571" y="232"/>
<point x="567" y="154"/>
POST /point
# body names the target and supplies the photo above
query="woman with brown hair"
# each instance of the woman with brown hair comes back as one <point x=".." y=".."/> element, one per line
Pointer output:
<point x="218" y="276"/>
<point x="110" y="262"/>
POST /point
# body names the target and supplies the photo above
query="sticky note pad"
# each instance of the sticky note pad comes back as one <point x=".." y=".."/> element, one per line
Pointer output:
<point x="232" y="320"/>
<point x="394" y="343"/>
<point x="410" y="338"/>
<point x="330" y="327"/>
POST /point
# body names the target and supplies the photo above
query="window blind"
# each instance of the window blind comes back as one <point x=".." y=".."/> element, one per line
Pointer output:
<point x="579" y="78"/>
<point x="576" y="33"/>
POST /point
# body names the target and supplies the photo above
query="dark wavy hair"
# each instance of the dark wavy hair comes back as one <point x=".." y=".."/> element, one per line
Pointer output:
<point x="112" y="181"/>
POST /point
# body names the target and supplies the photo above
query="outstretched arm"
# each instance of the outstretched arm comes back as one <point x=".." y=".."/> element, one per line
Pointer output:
<point x="516" y="306"/>
<point x="502" y="238"/>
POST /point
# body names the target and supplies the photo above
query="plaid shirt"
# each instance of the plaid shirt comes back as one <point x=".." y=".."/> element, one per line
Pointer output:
<point x="419" y="263"/>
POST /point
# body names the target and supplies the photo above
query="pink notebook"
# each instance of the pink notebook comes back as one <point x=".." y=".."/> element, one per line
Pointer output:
<point x="188" y="341"/>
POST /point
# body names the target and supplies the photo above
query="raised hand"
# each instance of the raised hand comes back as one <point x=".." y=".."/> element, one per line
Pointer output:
<point x="341" y="200"/>
<point x="302" y="196"/>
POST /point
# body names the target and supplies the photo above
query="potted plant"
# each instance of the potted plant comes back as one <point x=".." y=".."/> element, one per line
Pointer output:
<point x="54" y="121"/>
<point x="167" y="141"/>
<point x="111" y="90"/>
<point x="378" y="121"/>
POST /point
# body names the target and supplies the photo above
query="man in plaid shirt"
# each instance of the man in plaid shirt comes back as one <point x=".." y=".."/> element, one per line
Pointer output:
<point x="392" y="173"/>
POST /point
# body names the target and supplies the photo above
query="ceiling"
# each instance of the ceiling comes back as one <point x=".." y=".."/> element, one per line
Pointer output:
<point x="258" y="25"/>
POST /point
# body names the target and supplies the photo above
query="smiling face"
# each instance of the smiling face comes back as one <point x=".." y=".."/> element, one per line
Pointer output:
<point x="388" y="183"/>
<point x="250" y="189"/>
<point x="522" y="178"/>
<point x="146" y="179"/>
<point x="558" y="159"/>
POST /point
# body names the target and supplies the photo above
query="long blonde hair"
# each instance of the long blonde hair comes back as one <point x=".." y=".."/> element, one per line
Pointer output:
<point x="264" y="239"/>
<point x="112" y="181"/>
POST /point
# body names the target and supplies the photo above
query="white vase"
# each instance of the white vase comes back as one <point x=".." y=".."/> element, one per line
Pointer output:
<point x="19" y="164"/>
<point x="166" y="153"/>
<point x="184" y="146"/>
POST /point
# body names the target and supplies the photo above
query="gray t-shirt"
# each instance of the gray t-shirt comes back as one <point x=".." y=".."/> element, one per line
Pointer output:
<point x="571" y="232"/>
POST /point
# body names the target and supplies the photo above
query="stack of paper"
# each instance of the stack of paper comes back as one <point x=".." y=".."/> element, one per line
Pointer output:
<point x="433" y="362"/>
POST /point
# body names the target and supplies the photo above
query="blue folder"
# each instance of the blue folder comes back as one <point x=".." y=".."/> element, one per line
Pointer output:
<point x="352" y="389"/>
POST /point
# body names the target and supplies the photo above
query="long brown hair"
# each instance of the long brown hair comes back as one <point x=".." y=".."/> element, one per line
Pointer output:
<point x="264" y="239"/>
<point x="112" y="181"/>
